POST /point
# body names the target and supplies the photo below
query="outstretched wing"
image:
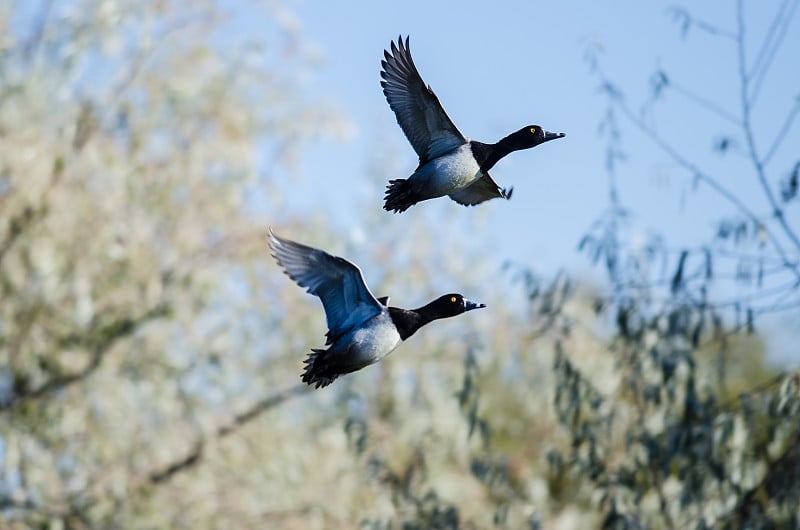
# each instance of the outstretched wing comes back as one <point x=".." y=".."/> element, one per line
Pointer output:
<point x="339" y="283"/>
<point x="483" y="189"/>
<point x="419" y="113"/>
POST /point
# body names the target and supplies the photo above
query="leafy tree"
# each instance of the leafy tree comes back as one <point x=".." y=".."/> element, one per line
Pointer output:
<point x="126" y="241"/>
<point x="691" y="434"/>
<point x="144" y="364"/>
<point x="672" y="419"/>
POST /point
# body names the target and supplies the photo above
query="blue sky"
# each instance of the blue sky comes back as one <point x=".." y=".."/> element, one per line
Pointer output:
<point x="496" y="68"/>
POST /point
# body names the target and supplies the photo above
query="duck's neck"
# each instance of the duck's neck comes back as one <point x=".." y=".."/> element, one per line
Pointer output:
<point x="488" y="155"/>
<point x="408" y="321"/>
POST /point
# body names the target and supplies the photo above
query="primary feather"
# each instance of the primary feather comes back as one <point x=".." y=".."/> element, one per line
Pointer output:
<point x="427" y="126"/>
<point x="338" y="283"/>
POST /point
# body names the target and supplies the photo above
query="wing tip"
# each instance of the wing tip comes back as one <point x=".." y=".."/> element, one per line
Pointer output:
<point x="272" y="237"/>
<point x="398" y="47"/>
<point x="272" y="240"/>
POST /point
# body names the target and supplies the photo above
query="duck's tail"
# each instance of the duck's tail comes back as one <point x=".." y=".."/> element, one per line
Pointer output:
<point x="399" y="196"/>
<point x="317" y="372"/>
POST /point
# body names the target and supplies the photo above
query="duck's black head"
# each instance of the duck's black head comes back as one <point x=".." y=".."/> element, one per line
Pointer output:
<point x="408" y="321"/>
<point x="529" y="136"/>
<point x="487" y="155"/>
<point x="450" y="305"/>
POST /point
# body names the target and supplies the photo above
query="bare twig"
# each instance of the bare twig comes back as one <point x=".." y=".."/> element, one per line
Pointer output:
<point x="663" y="502"/>
<point x="710" y="181"/>
<point x="712" y="29"/>
<point x="99" y="341"/>
<point x="39" y="27"/>
<point x="687" y="20"/>
<point x="767" y="486"/>
<point x="744" y="80"/>
<point x="195" y="455"/>
<point x="30" y="215"/>
<point x="260" y="407"/>
<point x="776" y="307"/>
<point x="137" y="63"/>
<point x="784" y="130"/>
<point x="770" y="47"/>
<point x="707" y="104"/>
<point x="17" y="226"/>
<point x="189" y="460"/>
<point x="767" y="44"/>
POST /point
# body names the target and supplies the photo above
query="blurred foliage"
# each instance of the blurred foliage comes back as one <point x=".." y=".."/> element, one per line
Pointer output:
<point x="149" y="367"/>
<point x="695" y="432"/>
<point x="129" y="146"/>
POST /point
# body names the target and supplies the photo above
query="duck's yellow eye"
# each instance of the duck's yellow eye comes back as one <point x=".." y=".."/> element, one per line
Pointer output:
<point x="453" y="299"/>
<point x="533" y="130"/>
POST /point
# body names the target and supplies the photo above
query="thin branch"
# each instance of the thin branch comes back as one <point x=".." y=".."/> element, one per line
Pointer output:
<point x="734" y="254"/>
<point x="758" y="77"/>
<point x="725" y="253"/>
<point x="39" y="26"/>
<point x="687" y="20"/>
<point x="706" y="104"/>
<point x="137" y="63"/>
<point x="658" y="482"/>
<point x="260" y="407"/>
<point x="698" y="276"/>
<point x="779" y="303"/>
<point x="784" y="130"/>
<point x="780" y="291"/>
<point x="777" y="307"/>
<point x="17" y="226"/>
<point x="777" y="212"/>
<point x="187" y="461"/>
<point x="709" y="180"/>
<point x="99" y="341"/>
<point x="30" y="215"/>
<point x="195" y="455"/>
<point x="746" y="299"/>
<point x="713" y="30"/>
<point x="694" y="170"/>
<point x="767" y="44"/>
<point x="787" y="461"/>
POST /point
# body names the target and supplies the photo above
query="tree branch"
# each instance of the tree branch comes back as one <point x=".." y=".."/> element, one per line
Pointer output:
<point x="707" y="104"/>
<point x="32" y="45"/>
<point x="18" y="225"/>
<point x="766" y="488"/>
<point x="770" y="47"/>
<point x="187" y="461"/>
<point x="30" y="215"/>
<point x="98" y="341"/>
<point x="709" y="180"/>
<point x="784" y="130"/>
<point x="687" y="20"/>
<point x="260" y="407"/>
<point x="777" y="212"/>
<point x="195" y="455"/>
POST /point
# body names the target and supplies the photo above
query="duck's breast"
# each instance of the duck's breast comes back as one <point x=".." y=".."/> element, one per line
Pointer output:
<point x="375" y="340"/>
<point x="448" y="173"/>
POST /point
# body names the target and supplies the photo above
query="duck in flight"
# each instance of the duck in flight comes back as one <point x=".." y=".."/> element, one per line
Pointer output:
<point x="449" y="163"/>
<point x="362" y="329"/>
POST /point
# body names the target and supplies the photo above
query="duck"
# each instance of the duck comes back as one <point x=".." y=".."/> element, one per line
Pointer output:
<point x="362" y="329"/>
<point x="450" y="163"/>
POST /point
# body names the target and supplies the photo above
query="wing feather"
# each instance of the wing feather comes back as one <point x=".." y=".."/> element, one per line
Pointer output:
<point x="427" y="126"/>
<point x="483" y="189"/>
<point x="338" y="283"/>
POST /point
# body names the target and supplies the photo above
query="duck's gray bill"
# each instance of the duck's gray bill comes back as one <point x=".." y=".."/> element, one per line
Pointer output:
<point x="552" y="136"/>
<point x="469" y="305"/>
